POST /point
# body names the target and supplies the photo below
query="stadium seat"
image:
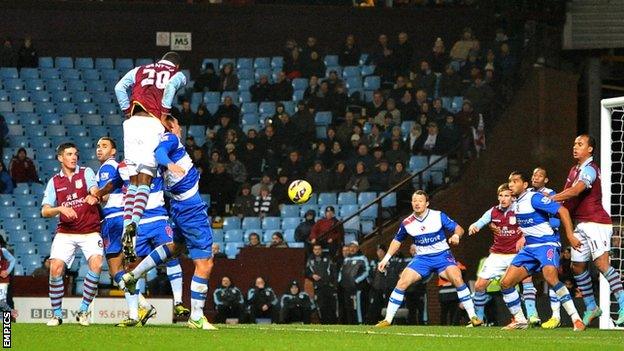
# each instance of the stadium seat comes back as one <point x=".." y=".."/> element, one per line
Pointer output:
<point x="336" y="69"/>
<point x="249" y="107"/>
<point x="305" y="208"/>
<point x="277" y="62"/>
<point x="71" y="119"/>
<point x="46" y="108"/>
<point x="246" y="74"/>
<point x="77" y="131"/>
<point x="56" y="131"/>
<point x="327" y="199"/>
<point x="212" y="97"/>
<point x="19" y="141"/>
<point x="29" y="73"/>
<point x="124" y="64"/>
<point x="244" y="63"/>
<point x="347" y="198"/>
<point x="63" y="62"/>
<point x="55" y="85"/>
<point x="143" y="61"/>
<point x="50" y="74"/>
<point x="25" y="201"/>
<point x="34" y="132"/>
<point x="244" y="96"/>
<point x="372" y="83"/>
<point x="389" y="201"/>
<point x="251" y="223"/>
<point x="269" y="223"/>
<point x="30" y="212"/>
<point x="36" y="224"/>
<point x="40" y="96"/>
<point x="34" y="84"/>
<point x="87" y="109"/>
<point x="266" y="109"/>
<point x="217" y="235"/>
<point x="369" y="213"/>
<point x="290" y="223"/>
<point x="6" y="106"/>
<point x="366" y="197"/>
<point x="92" y="120"/>
<point x="368" y="70"/>
<point x="417" y="163"/>
<point x="321" y="132"/>
<point x="13" y="84"/>
<point x="18" y="270"/>
<point x="95" y="86"/>
<point x="347" y="210"/>
<point x="9" y="212"/>
<point x="110" y="75"/>
<point x="298" y="95"/>
<point x="233" y="235"/>
<point x="70" y="74"/>
<point x="231" y="223"/>
<point x="245" y="84"/>
<point x="250" y="119"/>
<point x="367" y="227"/>
<point x="7" y="200"/>
<point x="323" y="118"/>
<point x="232" y="249"/>
<point x="4" y="96"/>
<point x="214" y="61"/>
<point x="103" y="63"/>
<point x="24" y="107"/>
<point x="108" y="109"/>
<point x="46" y="62"/>
<point x="331" y="60"/>
<point x="16" y="130"/>
<point x="267" y="236"/>
<point x="60" y="96"/>
<point x="354" y="84"/>
<point x="300" y="83"/>
<point x="84" y="62"/>
<point x="37" y="189"/>
<point x="75" y="85"/>
<point x="289" y="211"/>
<point x="11" y="117"/>
<point x="262" y="63"/>
<point x="101" y="97"/>
<point x="30" y="261"/>
<point x="289" y="236"/>
<point x="22" y="188"/>
<point x="13" y="224"/>
<point x="456" y="104"/>
<point x="80" y="97"/>
<point x="83" y="144"/>
<point x="351" y="71"/>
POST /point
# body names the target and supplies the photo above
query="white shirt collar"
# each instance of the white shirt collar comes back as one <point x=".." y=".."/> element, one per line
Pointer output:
<point x="590" y="159"/>
<point x="167" y="62"/>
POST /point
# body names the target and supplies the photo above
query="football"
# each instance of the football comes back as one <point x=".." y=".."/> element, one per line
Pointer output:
<point x="299" y="191"/>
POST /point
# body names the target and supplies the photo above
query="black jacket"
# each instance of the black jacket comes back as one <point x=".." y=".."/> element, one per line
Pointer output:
<point x="323" y="267"/>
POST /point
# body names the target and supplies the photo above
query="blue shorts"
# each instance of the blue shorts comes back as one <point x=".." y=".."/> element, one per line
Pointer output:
<point x="151" y="235"/>
<point x="193" y="228"/>
<point x="533" y="259"/>
<point x="426" y="264"/>
<point x="112" y="228"/>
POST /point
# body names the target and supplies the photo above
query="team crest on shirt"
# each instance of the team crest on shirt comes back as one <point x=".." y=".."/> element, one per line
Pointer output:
<point x="79" y="184"/>
<point x="512" y="220"/>
<point x="169" y="231"/>
<point x="550" y="254"/>
<point x="422" y="228"/>
<point x="546" y="200"/>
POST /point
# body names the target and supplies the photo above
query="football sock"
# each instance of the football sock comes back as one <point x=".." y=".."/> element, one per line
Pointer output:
<point x="394" y="302"/>
<point x="512" y="300"/>
<point x="480" y="300"/>
<point x="56" y="293"/>
<point x="528" y="294"/>
<point x="615" y="283"/>
<point x="89" y="290"/>
<point x="174" y="273"/>
<point x="566" y="300"/>
<point x="463" y="293"/>
<point x="155" y="258"/>
<point x="199" y="290"/>
<point x="584" y="283"/>
<point x="555" y="305"/>
<point x="129" y="204"/>
<point x="140" y="201"/>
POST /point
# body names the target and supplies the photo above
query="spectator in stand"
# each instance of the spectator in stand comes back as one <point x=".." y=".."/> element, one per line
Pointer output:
<point x="340" y="177"/>
<point x="280" y="189"/>
<point x="304" y="127"/>
<point x="391" y="109"/>
<point x="253" y="240"/>
<point x="344" y="130"/>
<point x="374" y="138"/>
<point x="380" y="179"/>
<point x="8" y="56"/>
<point x="6" y="183"/>
<point x="236" y="169"/>
<point x="23" y="168"/>
<point x="404" y="51"/>
<point x="359" y="180"/>
<point x="450" y="133"/>
<point x="261" y="91"/>
<point x="467" y="120"/>
<point x="432" y="144"/>
<point x="228" y="80"/>
<point x="4" y="134"/>
<point x="384" y="59"/>
<point x="243" y="205"/>
<point x="321" y="233"/>
<point x="202" y="117"/>
<point x="216" y="251"/>
<point x="215" y="158"/>
<point x="490" y="61"/>
<point x="437" y="113"/>
<point x="277" y="241"/>
<point x="321" y="270"/>
<point x="318" y="177"/>
<point x="222" y="187"/>
<point x="229" y="109"/>
<point x="339" y="100"/>
<point x="378" y="155"/>
<point x="350" y="53"/>
<point x="282" y="89"/>
<point x="399" y="88"/>
<point x="363" y="156"/>
<point x="565" y="268"/>
<point x="333" y="81"/>
<point x="294" y="167"/>
<point x="450" y="82"/>
<point x="228" y="300"/>
<point x="266" y="181"/>
<point x="397" y="153"/>
<point x="296" y="305"/>
<point x="265" y="205"/>
<point x="269" y="146"/>
<point x="461" y="48"/>
<point x="207" y="80"/>
<point x="321" y="100"/>
<point x="330" y="136"/>
<point x="321" y="154"/>
<point x="424" y="78"/>
<point x="185" y="114"/>
<point x="407" y="105"/>
<point x="303" y="230"/>
<point x="421" y="99"/>
<point x="399" y="174"/>
<point x="190" y="145"/>
<point x="293" y="65"/>
<point x="262" y="301"/>
<point x="27" y="55"/>
<point x="314" y="66"/>
<point x="313" y="87"/>
<point x="289" y="46"/>
<point x="414" y="137"/>
<point x="353" y="281"/>
<point x="506" y="64"/>
<point x="377" y="105"/>
<point x="252" y="159"/>
<point x="438" y="57"/>
<point x="470" y="68"/>
<point x="481" y="95"/>
<point x="422" y="120"/>
<point x="284" y="128"/>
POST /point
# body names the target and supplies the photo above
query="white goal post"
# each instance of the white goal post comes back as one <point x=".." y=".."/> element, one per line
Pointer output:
<point x="611" y="161"/>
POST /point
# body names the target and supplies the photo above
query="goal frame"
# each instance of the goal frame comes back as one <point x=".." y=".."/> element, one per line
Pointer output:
<point x="605" y="321"/>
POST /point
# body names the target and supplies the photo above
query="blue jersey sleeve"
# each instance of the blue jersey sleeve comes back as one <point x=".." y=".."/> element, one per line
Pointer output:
<point x="544" y="203"/>
<point x="49" y="195"/>
<point x="401" y="233"/>
<point x="168" y="143"/>
<point x="447" y="223"/>
<point x="484" y="220"/>
<point x="109" y="174"/>
<point x="587" y="176"/>
<point x="121" y="88"/>
<point x="176" y="82"/>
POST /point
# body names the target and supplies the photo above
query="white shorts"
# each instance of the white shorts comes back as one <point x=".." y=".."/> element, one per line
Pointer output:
<point x="64" y="246"/>
<point x="495" y="265"/>
<point x="141" y="137"/>
<point x="595" y="240"/>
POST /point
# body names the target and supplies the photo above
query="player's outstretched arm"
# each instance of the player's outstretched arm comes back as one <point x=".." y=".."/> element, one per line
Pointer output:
<point x="121" y="90"/>
<point x="570" y="192"/>
<point x="485" y="219"/>
<point x="395" y="245"/>
<point x="566" y="223"/>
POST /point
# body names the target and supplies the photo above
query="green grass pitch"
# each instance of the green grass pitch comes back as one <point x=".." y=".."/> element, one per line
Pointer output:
<point x="309" y="337"/>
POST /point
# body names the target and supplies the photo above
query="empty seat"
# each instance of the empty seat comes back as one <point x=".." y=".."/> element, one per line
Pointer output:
<point x="49" y="73"/>
<point x="366" y="197"/>
<point x="267" y="108"/>
<point x="84" y="62"/>
<point x="369" y="213"/>
<point x="347" y="198"/>
<point x="351" y="71"/>
<point x="103" y="63"/>
<point x="37" y="224"/>
<point x="92" y="120"/>
<point x="108" y="108"/>
<point x="327" y="199"/>
<point x="262" y="63"/>
<point x="101" y="97"/>
<point x="59" y="96"/>
<point x="56" y="130"/>
<point x="63" y="62"/>
<point x="9" y="212"/>
<point x="45" y="108"/>
<point x="19" y="96"/>
<point x="231" y="223"/>
<point x="289" y="211"/>
<point x="290" y="223"/>
<point x="34" y="132"/>
<point x="389" y="201"/>
<point x="46" y="62"/>
<point x="277" y="62"/>
<point x="40" y="96"/>
<point x="331" y="60"/>
<point x="95" y="86"/>
<point x="250" y="119"/>
<point x="251" y="223"/>
<point x="244" y="63"/>
<point x="124" y="64"/>
<point x="271" y="223"/>
<point x="87" y="108"/>
<point x="77" y="131"/>
<point x="6" y="200"/>
<point x="19" y="141"/>
<point x="323" y="118"/>
<point x="75" y="85"/>
<point x="233" y="235"/>
<point x="80" y="97"/>
<point x="34" y="84"/>
<point x="70" y="74"/>
<point x="30" y="212"/>
<point x="232" y="249"/>
<point x="48" y="117"/>
<point x="417" y="163"/>
<point x="12" y="224"/>
<point x="300" y="83"/>
<point x="71" y="119"/>
<point x="16" y="130"/>
<point x="25" y="200"/>
<point x="372" y="83"/>
<point x="289" y="236"/>
<point x="53" y="85"/>
<point x="13" y="84"/>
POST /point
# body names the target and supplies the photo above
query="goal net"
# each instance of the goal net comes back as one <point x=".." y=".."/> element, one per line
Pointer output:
<point x="612" y="177"/>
